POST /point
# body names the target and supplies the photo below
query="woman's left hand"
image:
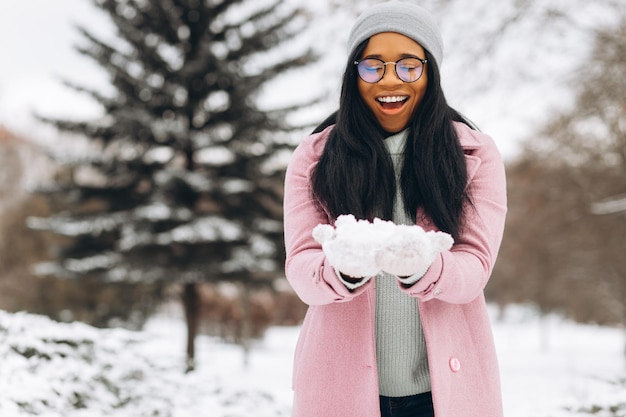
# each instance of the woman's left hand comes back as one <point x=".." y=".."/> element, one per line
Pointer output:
<point x="411" y="250"/>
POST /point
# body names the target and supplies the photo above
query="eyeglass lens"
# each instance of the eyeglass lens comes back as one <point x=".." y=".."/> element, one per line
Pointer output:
<point x="372" y="70"/>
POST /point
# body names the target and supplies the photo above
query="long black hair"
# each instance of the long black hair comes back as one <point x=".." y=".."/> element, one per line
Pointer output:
<point x="355" y="173"/>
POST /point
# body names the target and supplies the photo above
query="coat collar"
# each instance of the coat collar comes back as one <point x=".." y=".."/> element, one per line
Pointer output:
<point x="468" y="138"/>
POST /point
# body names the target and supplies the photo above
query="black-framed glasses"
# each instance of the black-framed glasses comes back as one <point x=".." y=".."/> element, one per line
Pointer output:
<point x="372" y="70"/>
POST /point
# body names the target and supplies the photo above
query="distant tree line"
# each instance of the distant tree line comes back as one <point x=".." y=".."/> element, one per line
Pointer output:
<point x="559" y="252"/>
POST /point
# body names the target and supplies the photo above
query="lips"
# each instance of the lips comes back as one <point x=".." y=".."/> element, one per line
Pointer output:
<point x="392" y="102"/>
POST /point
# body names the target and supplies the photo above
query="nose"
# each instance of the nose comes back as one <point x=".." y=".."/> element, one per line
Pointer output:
<point x="390" y="75"/>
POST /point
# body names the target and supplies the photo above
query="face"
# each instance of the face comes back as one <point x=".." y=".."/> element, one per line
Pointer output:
<point x="392" y="100"/>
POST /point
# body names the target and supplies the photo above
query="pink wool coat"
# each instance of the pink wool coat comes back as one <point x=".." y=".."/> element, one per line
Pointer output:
<point x="335" y="362"/>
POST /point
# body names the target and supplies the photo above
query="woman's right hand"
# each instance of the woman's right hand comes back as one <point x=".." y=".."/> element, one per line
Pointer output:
<point x="351" y="246"/>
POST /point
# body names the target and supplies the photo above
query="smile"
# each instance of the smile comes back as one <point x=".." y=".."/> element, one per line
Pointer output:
<point x="392" y="99"/>
<point x="391" y="104"/>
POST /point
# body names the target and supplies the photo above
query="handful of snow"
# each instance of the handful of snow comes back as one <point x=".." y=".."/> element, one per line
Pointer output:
<point x="359" y="248"/>
<point x="351" y="246"/>
<point x="411" y="251"/>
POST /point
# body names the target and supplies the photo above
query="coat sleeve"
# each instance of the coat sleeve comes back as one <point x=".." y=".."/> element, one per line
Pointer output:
<point x="313" y="279"/>
<point x="461" y="274"/>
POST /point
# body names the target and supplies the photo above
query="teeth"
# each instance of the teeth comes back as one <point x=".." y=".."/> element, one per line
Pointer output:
<point x="391" y="99"/>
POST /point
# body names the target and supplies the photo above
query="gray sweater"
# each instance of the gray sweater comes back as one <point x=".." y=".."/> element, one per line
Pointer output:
<point x="400" y="345"/>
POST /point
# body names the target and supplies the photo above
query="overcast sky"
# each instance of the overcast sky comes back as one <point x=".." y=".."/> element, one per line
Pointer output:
<point x="38" y="39"/>
<point x="36" y="48"/>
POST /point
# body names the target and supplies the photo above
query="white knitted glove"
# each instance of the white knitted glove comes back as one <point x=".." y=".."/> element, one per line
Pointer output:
<point x="351" y="246"/>
<point x="411" y="251"/>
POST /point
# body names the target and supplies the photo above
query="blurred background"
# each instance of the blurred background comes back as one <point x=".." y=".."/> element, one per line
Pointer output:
<point x="144" y="145"/>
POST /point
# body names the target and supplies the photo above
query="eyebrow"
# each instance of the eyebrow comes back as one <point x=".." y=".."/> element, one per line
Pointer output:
<point x="402" y="56"/>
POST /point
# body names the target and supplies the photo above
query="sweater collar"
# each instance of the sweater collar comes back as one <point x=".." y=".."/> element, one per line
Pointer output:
<point x="395" y="143"/>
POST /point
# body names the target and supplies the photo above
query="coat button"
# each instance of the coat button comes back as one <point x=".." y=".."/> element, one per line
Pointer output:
<point x="455" y="364"/>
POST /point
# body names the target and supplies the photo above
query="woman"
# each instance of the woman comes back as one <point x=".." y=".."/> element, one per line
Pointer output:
<point x="399" y="342"/>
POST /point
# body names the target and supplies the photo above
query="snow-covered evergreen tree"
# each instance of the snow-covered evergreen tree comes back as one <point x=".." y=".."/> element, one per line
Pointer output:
<point x="178" y="183"/>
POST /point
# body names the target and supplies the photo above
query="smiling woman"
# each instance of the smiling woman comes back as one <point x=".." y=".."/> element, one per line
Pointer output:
<point x="397" y="323"/>
<point x="394" y="96"/>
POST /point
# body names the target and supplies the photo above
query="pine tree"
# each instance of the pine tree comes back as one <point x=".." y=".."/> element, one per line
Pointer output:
<point x="179" y="184"/>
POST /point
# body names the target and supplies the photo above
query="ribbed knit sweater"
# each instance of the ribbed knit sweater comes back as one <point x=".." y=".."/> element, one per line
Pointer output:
<point x="400" y="345"/>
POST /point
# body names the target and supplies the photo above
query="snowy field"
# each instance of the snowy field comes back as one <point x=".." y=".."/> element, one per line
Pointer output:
<point x="550" y="368"/>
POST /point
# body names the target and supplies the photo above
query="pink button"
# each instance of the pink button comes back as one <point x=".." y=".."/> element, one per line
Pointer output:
<point x="455" y="364"/>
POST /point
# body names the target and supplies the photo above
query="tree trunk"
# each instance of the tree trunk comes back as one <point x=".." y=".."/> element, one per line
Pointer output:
<point x="192" y="305"/>
<point x="246" y="325"/>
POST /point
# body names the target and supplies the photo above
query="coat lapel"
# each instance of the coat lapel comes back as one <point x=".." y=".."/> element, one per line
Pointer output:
<point x="470" y="143"/>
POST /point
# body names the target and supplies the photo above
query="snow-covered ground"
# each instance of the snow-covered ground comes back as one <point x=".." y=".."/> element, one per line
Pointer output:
<point x="550" y="368"/>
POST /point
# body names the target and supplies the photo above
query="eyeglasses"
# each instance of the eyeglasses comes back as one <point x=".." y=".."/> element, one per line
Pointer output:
<point x="372" y="70"/>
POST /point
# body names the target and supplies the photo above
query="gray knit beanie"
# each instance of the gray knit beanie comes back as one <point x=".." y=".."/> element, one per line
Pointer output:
<point x="405" y="18"/>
